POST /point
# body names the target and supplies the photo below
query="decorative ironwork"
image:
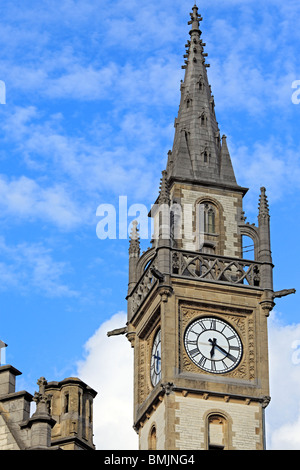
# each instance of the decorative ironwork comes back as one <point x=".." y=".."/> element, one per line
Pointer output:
<point x="215" y="268"/>
<point x="201" y="266"/>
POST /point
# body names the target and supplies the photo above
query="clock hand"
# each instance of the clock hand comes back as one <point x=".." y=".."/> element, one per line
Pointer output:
<point x="157" y="357"/>
<point x="226" y="352"/>
<point x="214" y="343"/>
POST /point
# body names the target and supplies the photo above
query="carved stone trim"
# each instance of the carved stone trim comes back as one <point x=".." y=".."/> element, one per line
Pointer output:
<point x="142" y="383"/>
<point x="167" y="387"/>
<point x="144" y="359"/>
<point x="265" y="401"/>
<point x="242" y="323"/>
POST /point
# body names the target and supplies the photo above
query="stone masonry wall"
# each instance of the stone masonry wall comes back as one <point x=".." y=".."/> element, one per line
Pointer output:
<point x="191" y="424"/>
<point x="229" y="204"/>
<point x="157" y="419"/>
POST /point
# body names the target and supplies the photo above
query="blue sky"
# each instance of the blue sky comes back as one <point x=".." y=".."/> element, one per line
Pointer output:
<point x="92" y="90"/>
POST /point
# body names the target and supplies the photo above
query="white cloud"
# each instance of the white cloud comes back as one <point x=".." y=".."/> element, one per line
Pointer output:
<point x="270" y="164"/>
<point x="108" y="368"/>
<point x="82" y="83"/>
<point x="240" y="85"/>
<point x="239" y="77"/>
<point x="129" y="153"/>
<point x="283" y="413"/>
<point x="252" y="70"/>
<point x="24" y="198"/>
<point x="286" y="437"/>
<point x="28" y="266"/>
<point x="85" y="164"/>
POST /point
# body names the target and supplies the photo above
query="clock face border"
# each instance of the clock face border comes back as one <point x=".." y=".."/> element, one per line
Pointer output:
<point x="155" y="360"/>
<point x="212" y="334"/>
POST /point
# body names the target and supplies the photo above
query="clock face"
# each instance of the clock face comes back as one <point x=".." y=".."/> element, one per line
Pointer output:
<point x="155" y="365"/>
<point x="213" y="345"/>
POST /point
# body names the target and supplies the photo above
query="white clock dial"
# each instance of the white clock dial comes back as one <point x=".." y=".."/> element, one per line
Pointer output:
<point x="155" y="365"/>
<point x="213" y="345"/>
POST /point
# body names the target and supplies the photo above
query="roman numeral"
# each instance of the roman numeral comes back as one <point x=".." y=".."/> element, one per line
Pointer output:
<point x="202" y="361"/>
<point x="193" y="342"/>
<point x="230" y="337"/>
<point x="224" y="365"/>
<point x="231" y="357"/>
<point x="194" y="352"/>
<point x="202" y="325"/>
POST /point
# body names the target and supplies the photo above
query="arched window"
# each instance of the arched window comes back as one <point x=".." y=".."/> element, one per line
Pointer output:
<point x="203" y="119"/>
<point x="207" y="223"/>
<point x="247" y="247"/>
<point x="207" y="218"/>
<point x="217" y="432"/>
<point x="152" y="438"/>
<point x="210" y="221"/>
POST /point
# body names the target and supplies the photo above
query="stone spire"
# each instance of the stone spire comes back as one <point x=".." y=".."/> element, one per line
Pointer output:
<point x="198" y="153"/>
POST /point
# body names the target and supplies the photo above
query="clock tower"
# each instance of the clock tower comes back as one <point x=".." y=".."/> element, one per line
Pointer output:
<point x="197" y="306"/>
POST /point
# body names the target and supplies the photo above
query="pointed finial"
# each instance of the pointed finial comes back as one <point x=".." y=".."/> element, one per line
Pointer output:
<point x="41" y="398"/>
<point x="263" y="203"/>
<point x="195" y="20"/>
<point x="224" y="140"/>
<point x="134" y="240"/>
<point x="164" y="196"/>
<point x="42" y="382"/>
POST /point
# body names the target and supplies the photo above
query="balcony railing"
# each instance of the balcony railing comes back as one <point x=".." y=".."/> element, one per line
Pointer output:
<point x="215" y="268"/>
<point x="200" y="266"/>
<point x="142" y="288"/>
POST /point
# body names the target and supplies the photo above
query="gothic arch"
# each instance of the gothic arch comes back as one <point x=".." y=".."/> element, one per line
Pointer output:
<point x="152" y="437"/>
<point x="251" y="232"/>
<point x="217" y="417"/>
<point x="216" y="239"/>
<point x="144" y="260"/>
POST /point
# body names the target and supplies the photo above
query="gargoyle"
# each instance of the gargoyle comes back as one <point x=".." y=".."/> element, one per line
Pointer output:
<point x="283" y="293"/>
<point x="117" y="332"/>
